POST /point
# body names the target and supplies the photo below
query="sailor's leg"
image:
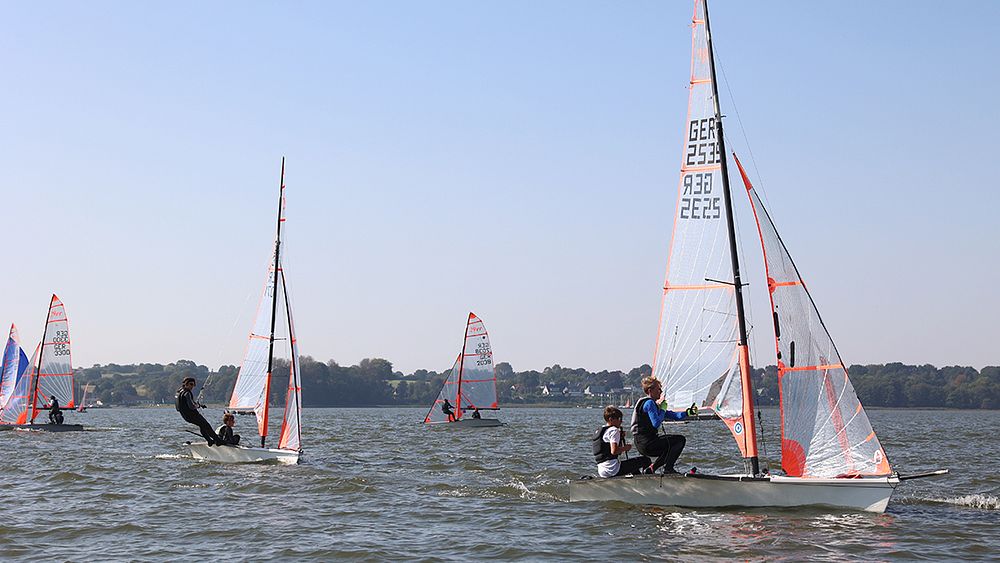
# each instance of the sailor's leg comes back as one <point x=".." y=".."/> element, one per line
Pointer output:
<point x="633" y="466"/>
<point x="675" y="445"/>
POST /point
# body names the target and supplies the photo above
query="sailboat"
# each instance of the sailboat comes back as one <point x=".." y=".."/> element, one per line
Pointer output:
<point x="253" y="382"/>
<point x="471" y="385"/>
<point x="830" y="454"/>
<point x="48" y="374"/>
<point x="82" y="407"/>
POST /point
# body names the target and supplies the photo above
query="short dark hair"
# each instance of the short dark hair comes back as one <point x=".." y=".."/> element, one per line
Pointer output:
<point x="187" y="380"/>
<point x="611" y="412"/>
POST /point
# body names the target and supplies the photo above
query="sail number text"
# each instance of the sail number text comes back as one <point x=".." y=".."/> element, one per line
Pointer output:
<point x="702" y="148"/>
<point x="484" y="352"/>
<point x="697" y="201"/>
<point x="60" y="343"/>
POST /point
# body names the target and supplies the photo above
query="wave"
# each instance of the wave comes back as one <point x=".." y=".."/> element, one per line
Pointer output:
<point x="984" y="502"/>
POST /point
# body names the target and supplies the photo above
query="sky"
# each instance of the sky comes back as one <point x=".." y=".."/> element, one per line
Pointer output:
<point x="518" y="159"/>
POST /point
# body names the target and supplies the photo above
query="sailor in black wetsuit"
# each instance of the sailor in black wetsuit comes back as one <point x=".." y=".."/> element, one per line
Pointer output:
<point x="446" y="408"/>
<point x="188" y="408"/>
<point x="648" y="415"/>
<point x="55" y="413"/>
<point x="225" y="431"/>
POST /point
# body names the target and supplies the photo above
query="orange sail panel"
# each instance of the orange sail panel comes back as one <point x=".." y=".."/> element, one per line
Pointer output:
<point x="824" y="430"/>
<point x="55" y="373"/>
<point x="696" y="350"/>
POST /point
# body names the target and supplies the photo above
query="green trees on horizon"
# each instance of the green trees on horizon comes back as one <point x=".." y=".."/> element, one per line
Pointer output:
<point x="372" y="382"/>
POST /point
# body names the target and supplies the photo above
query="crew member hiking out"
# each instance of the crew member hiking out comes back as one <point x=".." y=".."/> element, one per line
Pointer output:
<point x="609" y="444"/>
<point x="648" y="415"/>
<point x="188" y="408"/>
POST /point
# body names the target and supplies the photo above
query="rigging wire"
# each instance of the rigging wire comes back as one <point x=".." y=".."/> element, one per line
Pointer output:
<point x="228" y="337"/>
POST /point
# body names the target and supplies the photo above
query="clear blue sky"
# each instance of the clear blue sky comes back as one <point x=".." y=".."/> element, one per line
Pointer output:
<point x="518" y="159"/>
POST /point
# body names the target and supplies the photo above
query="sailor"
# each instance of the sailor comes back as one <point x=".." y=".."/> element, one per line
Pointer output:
<point x="225" y="431"/>
<point x="55" y="413"/>
<point x="609" y="444"/>
<point x="648" y="415"/>
<point x="188" y="408"/>
<point x="446" y="408"/>
<point x="475" y="413"/>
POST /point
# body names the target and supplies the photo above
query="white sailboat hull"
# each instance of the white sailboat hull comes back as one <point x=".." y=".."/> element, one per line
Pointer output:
<point x="242" y="454"/>
<point x="471" y="423"/>
<point x="870" y="494"/>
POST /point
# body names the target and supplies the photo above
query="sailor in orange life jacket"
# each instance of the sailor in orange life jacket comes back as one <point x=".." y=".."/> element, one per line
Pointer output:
<point x="648" y="415"/>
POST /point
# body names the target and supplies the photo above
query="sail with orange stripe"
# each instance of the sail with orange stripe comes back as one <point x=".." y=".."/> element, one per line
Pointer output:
<point x="824" y="429"/>
<point x="697" y="354"/>
<point x="16" y="408"/>
<point x="472" y="382"/>
<point x="272" y="329"/>
<point x="54" y="377"/>
<point x="14" y="365"/>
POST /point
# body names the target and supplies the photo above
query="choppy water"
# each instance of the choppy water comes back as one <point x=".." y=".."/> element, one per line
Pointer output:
<point x="376" y="485"/>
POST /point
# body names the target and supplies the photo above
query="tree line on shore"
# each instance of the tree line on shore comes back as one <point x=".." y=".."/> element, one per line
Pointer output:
<point x="373" y="382"/>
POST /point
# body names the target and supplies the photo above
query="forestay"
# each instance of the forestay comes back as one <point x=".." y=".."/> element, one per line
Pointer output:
<point x="824" y="430"/>
<point x="55" y="373"/>
<point x="696" y="352"/>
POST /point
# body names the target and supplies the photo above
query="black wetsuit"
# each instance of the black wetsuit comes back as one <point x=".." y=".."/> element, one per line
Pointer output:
<point x="446" y="409"/>
<point x="189" y="412"/>
<point x="664" y="449"/>
<point x="55" y="413"/>
<point x="475" y="414"/>
<point x="227" y="437"/>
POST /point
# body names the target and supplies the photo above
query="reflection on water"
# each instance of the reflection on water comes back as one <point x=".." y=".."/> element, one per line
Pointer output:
<point x="375" y="484"/>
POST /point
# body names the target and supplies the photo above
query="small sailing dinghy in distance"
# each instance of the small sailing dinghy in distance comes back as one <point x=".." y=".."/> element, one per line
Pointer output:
<point x="253" y="382"/>
<point x="48" y="374"/>
<point x="472" y="384"/>
<point x="830" y="454"/>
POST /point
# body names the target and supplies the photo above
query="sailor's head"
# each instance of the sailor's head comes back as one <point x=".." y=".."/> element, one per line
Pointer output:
<point x="188" y="382"/>
<point x="612" y="415"/>
<point x="651" y="386"/>
<point x="229" y="419"/>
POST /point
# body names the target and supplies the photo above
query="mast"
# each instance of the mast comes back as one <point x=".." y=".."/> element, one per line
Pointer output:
<point x="38" y="367"/>
<point x="461" y="367"/>
<point x="750" y="428"/>
<point x="274" y="302"/>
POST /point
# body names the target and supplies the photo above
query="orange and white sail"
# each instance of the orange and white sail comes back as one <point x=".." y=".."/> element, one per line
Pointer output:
<point x="55" y="368"/>
<point x="824" y="430"/>
<point x="472" y="383"/>
<point x="13" y="366"/>
<point x="272" y="332"/>
<point x="697" y="354"/>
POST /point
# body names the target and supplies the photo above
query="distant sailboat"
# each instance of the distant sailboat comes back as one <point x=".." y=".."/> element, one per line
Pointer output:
<point x="82" y="407"/>
<point x="15" y="363"/>
<point x="48" y="374"/>
<point x="253" y="382"/>
<point x="472" y="383"/>
<point x="830" y="454"/>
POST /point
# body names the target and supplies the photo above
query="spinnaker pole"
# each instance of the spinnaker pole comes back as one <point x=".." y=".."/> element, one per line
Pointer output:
<point x="749" y="425"/>
<point x="274" y="303"/>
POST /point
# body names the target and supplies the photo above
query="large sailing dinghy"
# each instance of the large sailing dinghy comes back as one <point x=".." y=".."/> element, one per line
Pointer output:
<point x="830" y="455"/>
<point x="253" y="382"/>
<point x="28" y="387"/>
<point x="471" y="385"/>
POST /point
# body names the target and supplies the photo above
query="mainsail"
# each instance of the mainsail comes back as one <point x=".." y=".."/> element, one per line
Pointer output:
<point x="824" y="430"/>
<point x="54" y="376"/>
<point x="477" y="383"/>
<point x="472" y="383"/>
<point x="14" y="364"/>
<point x="253" y="381"/>
<point x="698" y="354"/>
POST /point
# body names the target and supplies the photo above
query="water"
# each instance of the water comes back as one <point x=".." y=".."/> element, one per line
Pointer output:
<point x="376" y="485"/>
